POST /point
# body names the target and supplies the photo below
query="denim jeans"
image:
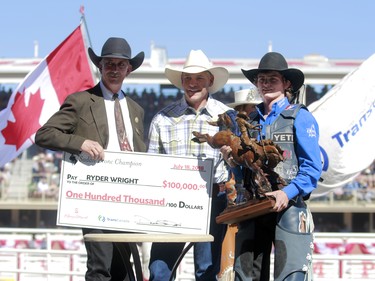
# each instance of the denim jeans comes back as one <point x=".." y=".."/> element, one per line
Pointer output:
<point x="207" y="255"/>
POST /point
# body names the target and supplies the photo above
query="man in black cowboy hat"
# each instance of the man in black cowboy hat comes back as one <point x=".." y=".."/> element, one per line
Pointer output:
<point x="290" y="227"/>
<point x="85" y="123"/>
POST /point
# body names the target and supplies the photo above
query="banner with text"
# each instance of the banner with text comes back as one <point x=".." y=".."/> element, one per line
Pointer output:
<point x="136" y="192"/>
<point x="346" y="121"/>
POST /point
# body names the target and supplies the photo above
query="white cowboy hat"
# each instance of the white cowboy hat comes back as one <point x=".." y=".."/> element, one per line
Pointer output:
<point x="198" y="62"/>
<point x="247" y="96"/>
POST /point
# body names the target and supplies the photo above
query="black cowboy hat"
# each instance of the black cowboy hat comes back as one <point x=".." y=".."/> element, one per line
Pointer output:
<point x="117" y="48"/>
<point x="273" y="61"/>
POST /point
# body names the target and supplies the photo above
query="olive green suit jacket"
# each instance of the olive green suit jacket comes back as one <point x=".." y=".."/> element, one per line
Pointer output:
<point x="83" y="116"/>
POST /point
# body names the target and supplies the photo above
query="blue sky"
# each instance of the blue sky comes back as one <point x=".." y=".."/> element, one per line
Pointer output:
<point x="222" y="29"/>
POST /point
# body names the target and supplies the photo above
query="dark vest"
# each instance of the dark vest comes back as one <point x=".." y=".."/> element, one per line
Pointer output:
<point x="281" y="132"/>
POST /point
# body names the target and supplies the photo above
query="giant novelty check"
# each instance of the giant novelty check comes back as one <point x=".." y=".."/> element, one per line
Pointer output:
<point x="136" y="192"/>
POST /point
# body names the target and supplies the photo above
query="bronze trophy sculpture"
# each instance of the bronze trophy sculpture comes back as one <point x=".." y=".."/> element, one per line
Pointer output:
<point x="261" y="157"/>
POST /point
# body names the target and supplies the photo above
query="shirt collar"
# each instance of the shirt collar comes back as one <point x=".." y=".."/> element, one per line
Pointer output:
<point x="183" y="108"/>
<point x="107" y="94"/>
<point x="277" y="107"/>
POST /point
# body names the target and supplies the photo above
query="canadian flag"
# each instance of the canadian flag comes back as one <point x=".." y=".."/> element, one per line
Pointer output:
<point x="64" y="71"/>
<point x="346" y="118"/>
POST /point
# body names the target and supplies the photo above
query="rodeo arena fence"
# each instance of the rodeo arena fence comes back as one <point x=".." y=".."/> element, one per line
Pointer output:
<point x="59" y="254"/>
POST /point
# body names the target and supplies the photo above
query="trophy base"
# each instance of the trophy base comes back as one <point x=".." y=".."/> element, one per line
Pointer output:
<point x="251" y="209"/>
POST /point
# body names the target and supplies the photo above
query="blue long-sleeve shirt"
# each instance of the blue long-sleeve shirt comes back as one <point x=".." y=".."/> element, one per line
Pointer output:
<point x="307" y="149"/>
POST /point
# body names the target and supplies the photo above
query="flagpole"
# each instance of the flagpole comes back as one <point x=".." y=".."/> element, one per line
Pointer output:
<point x="83" y="20"/>
<point x="87" y="38"/>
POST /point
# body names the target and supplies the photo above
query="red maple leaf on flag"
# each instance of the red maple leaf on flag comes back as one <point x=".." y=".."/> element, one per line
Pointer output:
<point x="16" y="133"/>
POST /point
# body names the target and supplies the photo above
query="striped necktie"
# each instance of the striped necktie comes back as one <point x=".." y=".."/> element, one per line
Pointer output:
<point x="120" y="126"/>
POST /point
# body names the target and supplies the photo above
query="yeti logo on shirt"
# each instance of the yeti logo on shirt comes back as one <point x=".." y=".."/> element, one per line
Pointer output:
<point x="283" y="137"/>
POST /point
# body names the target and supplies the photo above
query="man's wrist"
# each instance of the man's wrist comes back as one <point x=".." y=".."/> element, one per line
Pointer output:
<point x="231" y="162"/>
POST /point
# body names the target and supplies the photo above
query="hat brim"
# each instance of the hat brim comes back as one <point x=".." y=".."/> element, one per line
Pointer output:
<point x="221" y="76"/>
<point x="135" y="62"/>
<point x="295" y="76"/>
<point x="234" y="104"/>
